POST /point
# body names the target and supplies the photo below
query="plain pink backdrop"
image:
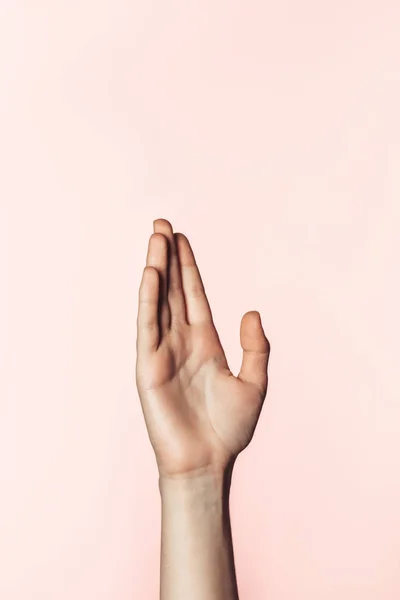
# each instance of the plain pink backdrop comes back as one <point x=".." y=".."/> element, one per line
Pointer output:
<point x="269" y="133"/>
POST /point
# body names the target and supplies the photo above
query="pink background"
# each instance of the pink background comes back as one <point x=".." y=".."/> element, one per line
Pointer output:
<point x="269" y="133"/>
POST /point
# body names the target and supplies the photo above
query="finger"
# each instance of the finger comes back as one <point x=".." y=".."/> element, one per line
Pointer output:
<point x="197" y="307"/>
<point x="148" y="332"/>
<point x="175" y="295"/>
<point x="256" y="351"/>
<point x="157" y="257"/>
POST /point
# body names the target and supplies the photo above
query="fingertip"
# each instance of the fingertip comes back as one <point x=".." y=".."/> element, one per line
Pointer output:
<point x="149" y="271"/>
<point x="150" y="282"/>
<point x="179" y="237"/>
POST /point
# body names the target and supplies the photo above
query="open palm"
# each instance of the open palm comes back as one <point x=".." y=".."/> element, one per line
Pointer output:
<point x="198" y="414"/>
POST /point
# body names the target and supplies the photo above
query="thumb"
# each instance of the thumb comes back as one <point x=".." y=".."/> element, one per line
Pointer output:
<point x="256" y="350"/>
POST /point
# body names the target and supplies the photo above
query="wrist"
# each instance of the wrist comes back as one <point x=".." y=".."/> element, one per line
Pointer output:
<point x="214" y="481"/>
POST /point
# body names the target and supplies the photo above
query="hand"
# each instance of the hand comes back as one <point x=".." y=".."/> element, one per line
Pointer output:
<point x="199" y="416"/>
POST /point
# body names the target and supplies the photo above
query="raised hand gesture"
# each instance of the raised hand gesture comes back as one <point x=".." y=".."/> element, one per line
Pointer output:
<point x="199" y="415"/>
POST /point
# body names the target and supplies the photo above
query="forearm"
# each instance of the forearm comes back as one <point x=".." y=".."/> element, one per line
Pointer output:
<point x="197" y="560"/>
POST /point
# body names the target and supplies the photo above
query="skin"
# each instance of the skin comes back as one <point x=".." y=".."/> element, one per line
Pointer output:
<point x="199" y="415"/>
